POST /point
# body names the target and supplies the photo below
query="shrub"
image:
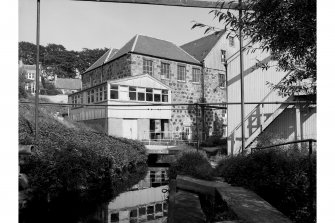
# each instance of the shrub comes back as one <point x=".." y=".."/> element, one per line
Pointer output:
<point x="74" y="169"/>
<point x="214" y="141"/>
<point x="191" y="163"/>
<point x="279" y="176"/>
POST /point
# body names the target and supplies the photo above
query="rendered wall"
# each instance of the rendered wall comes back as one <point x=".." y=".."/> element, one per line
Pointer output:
<point x="115" y="127"/>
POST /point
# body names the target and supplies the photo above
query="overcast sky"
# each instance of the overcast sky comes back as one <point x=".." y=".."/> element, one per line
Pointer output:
<point x="78" y="25"/>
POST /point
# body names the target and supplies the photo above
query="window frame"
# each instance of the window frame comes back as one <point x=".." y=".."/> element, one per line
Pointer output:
<point x="179" y="66"/>
<point x="146" y="66"/>
<point x="222" y="81"/>
<point x="165" y="67"/>
<point x="195" y="73"/>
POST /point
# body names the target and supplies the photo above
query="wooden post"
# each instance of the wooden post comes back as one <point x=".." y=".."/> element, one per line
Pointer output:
<point x="172" y="195"/>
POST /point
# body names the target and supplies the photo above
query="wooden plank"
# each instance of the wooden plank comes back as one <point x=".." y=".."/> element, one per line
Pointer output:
<point x="172" y="194"/>
<point x="178" y="3"/>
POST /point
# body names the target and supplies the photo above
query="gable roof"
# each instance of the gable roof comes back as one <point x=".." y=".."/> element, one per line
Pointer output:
<point x="200" y="48"/>
<point x="103" y="59"/>
<point x="68" y="83"/>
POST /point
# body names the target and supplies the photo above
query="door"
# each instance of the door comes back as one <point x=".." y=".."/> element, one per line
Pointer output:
<point x="130" y="128"/>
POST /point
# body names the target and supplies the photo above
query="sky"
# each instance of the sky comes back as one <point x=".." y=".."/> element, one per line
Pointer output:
<point x="77" y="24"/>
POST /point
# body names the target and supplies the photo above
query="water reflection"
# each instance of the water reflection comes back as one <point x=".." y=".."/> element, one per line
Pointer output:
<point x="145" y="202"/>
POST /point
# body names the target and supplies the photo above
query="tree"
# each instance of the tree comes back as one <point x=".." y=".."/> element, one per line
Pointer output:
<point x="22" y="83"/>
<point x="286" y="28"/>
<point x="57" y="60"/>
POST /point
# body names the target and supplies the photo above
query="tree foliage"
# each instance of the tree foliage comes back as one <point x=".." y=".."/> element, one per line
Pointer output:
<point x="286" y="28"/>
<point x="57" y="60"/>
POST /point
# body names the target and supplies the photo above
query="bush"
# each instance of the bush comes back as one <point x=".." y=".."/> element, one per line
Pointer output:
<point x="74" y="169"/>
<point x="191" y="163"/>
<point x="279" y="176"/>
<point x="214" y="141"/>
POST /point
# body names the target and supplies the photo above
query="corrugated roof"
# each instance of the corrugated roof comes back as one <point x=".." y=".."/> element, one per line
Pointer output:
<point x="68" y="83"/>
<point x="200" y="48"/>
<point x="103" y="59"/>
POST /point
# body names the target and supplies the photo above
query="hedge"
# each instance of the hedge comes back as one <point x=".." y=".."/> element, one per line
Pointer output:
<point x="73" y="168"/>
<point x="191" y="163"/>
<point x="279" y="176"/>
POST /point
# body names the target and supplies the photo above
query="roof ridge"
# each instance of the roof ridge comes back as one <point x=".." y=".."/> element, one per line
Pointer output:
<point x="134" y="44"/>
<point x="110" y="50"/>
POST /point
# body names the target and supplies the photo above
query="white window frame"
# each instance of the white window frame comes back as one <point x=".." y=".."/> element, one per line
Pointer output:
<point x="181" y="75"/>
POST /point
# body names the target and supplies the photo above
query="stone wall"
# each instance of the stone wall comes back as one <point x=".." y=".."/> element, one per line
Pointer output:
<point x="181" y="91"/>
<point x="187" y="92"/>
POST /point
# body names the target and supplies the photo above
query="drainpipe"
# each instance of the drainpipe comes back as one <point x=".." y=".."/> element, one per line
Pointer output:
<point x="202" y="100"/>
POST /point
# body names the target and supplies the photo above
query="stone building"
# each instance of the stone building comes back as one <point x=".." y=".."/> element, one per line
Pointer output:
<point x="146" y="71"/>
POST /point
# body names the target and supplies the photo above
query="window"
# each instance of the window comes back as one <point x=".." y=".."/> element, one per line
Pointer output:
<point x="165" y="96"/>
<point x="100" y="94"/>
<point x="222" y="80"/>
<point x="223" y="56"/>
<point x="105" y="92"/>
<point x="132" y="93"/>
<point x="149" y="94"/>
<point x="141" y="94"/>
<point x="231" y="41"/>
<point x="147" y="67"/>
<point x="165" y="70"/>
<point x="96" y="94"/>
<point x="181" y="73"/>
<point x="195" y="75"/>
<point x="157" y="95"/>
<point x="114" y="92"/>
<point x="92" y="96"/>
<point x="88" y="97"/>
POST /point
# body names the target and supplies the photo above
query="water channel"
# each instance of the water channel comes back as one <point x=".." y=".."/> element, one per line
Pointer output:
<point x="145" y="201"/>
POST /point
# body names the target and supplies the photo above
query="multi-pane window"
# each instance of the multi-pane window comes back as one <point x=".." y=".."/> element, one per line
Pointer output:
<point x="100" y="94"/>
<point x="165" y="96"/>
<point x="165" y="70"/>
<point x="147" y="67"/>
<point x="141" y="94"/>
<point x="149" y="94"/>
<point x="222" y="80"/>
<point x="114" y="92"/>
<point x="92" y="95"/>
<point x="231" y="41"/>
<point x="105" y="92"/>
<point x="195" y="75"/>
<point x="88" y="97"/>
<point x="157" y="95"/>
<point x="181" y="73"/>
<point x="132" y="93"/>
<point x="223" y="56"/>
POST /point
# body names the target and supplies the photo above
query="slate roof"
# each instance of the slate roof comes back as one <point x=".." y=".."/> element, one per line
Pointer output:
<point x="103" y="59"/>
<point x="68" y="83"/>
<point x="149" y="46"/>
<point x="200" y="48"/>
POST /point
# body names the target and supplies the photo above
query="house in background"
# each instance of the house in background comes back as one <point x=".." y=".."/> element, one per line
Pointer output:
<point x="67" y="85"/>
<point x="144" y="71"/>
<point x="30" y="74"/>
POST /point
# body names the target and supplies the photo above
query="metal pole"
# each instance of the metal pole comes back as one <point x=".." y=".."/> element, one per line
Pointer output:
<point x="241" y="74"/>
<point x="196" y="119"/>
<point x="37" y="87"/>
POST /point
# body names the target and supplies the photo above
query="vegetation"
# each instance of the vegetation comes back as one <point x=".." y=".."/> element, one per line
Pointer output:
<point x="191" y="163"/>
<point x="287" y="29"/>
<point x="281" y="177"/>
<point x="56" y="59"/>
<point x="74" y="169"/>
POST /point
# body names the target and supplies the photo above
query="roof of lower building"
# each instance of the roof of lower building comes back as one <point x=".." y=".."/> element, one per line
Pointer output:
<point x="200" y="48"/>
<point x="68" y="83"/>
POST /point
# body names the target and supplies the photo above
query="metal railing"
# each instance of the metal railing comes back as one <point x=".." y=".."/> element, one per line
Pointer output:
<point x="310" y="167"/>
<point x="167" y="138"/>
